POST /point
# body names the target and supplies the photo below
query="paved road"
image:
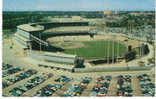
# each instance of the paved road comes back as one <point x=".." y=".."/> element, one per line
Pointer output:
<point x="136" y="86"/>
<point x="112" y="87"/>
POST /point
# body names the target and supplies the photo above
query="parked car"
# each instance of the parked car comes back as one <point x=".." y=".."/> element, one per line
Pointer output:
<point x="12" y="71"/>
<point x="147" y="88"/>
<point x="77" y="87"/>
<point x="124" y="85"/>
<point x="20" y="90"/>
<point x="48" y="90"/>
<point x="6" y="66"/>
<point x="100" y="89"/>
<point x="63" y="79"/>
<point x="21" y="76"/>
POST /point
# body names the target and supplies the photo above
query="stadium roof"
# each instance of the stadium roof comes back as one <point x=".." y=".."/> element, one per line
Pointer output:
<point x="31" y="27"/>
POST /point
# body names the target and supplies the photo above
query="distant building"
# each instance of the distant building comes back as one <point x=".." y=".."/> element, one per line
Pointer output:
<point x="116" y="12"/>
<point x="141" y="13"/>
<point x="108" y="12"/>
<point x="76" y="18"/>
<point x="135" y="14"/>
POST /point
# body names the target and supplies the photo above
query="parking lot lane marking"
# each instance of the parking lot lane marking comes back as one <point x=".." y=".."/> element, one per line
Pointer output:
<point x="112" y="87"/>
<point x="38" y="87"/>
<point x="10" y="76"/>
<point x="7" y="89"/>
<point x="152" y="79"/>
<point x="87" y="91"/>
<point x="65" y="87"/>
<point x="135" y="86"/>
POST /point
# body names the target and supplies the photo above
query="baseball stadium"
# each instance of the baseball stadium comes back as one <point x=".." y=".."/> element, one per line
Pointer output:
<point x="75" y="58"/>
<point x="78" y="46"/>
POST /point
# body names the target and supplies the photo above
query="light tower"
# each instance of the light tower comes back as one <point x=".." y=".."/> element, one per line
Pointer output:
<point x="40" y="41"/>
<point x="113" y="50"/>
<point x="118" y="50"/>
<point x="108" y="43"/>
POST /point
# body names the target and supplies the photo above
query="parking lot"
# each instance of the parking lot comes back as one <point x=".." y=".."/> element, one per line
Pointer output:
<point x="147" y="87"/>
<point x="18" y="77"/>
<point x="29" y="85"/>
<point x="77" y="88"/>
<point x="43" y="84"/>
<point x="20" y="90"/>
<point x="31" y="82"/>
<point x="11" y="71"/>
<point x="51" y="88"/>
<point x="101" y="86"/>
<point x="6" y="66"/>
<point x="124" y="86"/>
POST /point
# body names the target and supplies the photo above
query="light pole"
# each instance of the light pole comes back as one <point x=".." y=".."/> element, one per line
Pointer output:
<point x="40" y="41"/>
<point x="113" y="51"/>
<point x="140" y="45"/>
<point x="108" y="52"/>
<point x="118" y="51"/>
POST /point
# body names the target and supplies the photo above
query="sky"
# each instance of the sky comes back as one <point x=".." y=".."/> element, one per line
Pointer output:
<point x="77" y="5"/>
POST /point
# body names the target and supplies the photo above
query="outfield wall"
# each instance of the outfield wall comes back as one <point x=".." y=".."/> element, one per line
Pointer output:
<point x="110" y="69"/>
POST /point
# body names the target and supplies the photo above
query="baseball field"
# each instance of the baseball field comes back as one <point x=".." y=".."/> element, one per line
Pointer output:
<point x="98" y="49"/>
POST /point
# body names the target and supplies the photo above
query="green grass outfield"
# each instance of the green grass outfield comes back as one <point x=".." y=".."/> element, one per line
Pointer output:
<point x="96" y="49"/>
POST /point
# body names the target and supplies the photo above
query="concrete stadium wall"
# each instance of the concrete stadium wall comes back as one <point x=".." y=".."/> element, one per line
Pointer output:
<point x="23" y="33"/>
<point x="43" y="57"/>
<point x="64" y="68"/>
<point x="110" y="69"/>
